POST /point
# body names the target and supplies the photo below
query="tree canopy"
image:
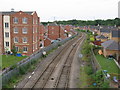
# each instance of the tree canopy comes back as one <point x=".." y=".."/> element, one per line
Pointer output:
<point x="108" y="22"/>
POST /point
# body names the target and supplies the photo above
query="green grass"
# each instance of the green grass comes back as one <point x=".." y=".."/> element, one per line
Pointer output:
<point x="83" y="78"/>
<point x="9" y="60"/>
<point x="107" y="64"/>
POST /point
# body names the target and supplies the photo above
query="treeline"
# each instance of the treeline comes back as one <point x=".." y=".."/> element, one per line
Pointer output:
<point x="108" y="22"/>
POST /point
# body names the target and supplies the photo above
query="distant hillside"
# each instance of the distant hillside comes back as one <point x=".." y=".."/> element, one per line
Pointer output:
<point x="108" y="22"/>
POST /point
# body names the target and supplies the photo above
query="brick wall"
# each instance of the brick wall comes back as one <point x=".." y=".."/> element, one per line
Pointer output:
<point x="1" y="35"/>
<point x="68" y="27"/>
<point x="36" y="35"/>
<point x="41" y="31"/>
<point x="53" y="32"/>
<point x="110" y="52"/>
<point x="47" y="42"/>
<point x="62" y="33"/>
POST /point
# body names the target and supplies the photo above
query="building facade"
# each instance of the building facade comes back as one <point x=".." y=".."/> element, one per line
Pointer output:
<point x="1" y="34"/>
<point x="53" y="31"/>
<point x="23" y="32"/>
<point x="20" y="30"/>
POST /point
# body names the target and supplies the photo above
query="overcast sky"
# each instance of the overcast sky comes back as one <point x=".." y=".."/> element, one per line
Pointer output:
<point x="65" y="9"/>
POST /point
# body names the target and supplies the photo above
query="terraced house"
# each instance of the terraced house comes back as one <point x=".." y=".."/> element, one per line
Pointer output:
<point x="20" y="29"/>
<point x="112" y="46"/>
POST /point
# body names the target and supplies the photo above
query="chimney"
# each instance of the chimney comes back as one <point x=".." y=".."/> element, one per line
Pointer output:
<point x="12" y="9"/>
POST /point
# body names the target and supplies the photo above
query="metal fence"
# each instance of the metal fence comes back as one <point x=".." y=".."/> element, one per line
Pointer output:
<point x="8" y="74"/>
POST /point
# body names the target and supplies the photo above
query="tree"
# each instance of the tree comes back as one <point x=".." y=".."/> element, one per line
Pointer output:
<point x="14" y="50"/>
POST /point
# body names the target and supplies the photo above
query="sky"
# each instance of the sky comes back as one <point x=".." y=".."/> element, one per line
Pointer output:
<point x="50" y="10"/>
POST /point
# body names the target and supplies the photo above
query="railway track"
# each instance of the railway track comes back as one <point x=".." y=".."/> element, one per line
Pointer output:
<point x="62" y="79"/>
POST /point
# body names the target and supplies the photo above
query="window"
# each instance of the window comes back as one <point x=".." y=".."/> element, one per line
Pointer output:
<point x="25" y="40"/>
<point x="24" y="20"/>
<point x="33" y="21"/>
<point x="52" y="27"/>
<point x="15" y="20"/>
<point x="15" y="40"/>
<point x="15" y="30"/>
<point x="7" y="44"/>
<point x="33" y="48"/>
<point x="6" y="25"/>
<point x="52" y="32"/>
<point x="41" y="45"/>
<point x="17" y="48"/>
<point x="33" y="39"/>
<point x="24" y="30"/>
<point x="36" y="21"/>
<point x="36" y="30"/>
<point x="36" y="39"/>
<point x="33" y="30"/>
<point x="7" y="34"/>
<point x="25" y="49"/>
<point x="36" y="46"/>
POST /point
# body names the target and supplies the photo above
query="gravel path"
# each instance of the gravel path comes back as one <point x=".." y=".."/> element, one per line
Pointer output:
<point x="75" y="70"/>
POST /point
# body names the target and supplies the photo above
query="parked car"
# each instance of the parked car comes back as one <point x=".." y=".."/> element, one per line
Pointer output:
<point x="54" y="41"/>
<point x="59" y="39"/>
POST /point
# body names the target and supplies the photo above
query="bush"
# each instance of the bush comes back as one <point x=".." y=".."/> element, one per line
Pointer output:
<point x="14" y="50"/>
<point x="88" y="70"/>
<point x="22" y="70"/>
<point x="33" y="61"/>
<point x="59" y="44"/>
<point x="13" y="67"/>
<point x="98" y="78"/>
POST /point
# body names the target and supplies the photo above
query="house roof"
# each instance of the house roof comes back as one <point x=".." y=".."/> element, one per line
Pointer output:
<point x="11" y="12"/>
<point x="116" y="33"/>
<point x="52" y="24"/>
<point x="111" y="45"/>
<point x="101" y="37"/>
<point x="105" y="30"/>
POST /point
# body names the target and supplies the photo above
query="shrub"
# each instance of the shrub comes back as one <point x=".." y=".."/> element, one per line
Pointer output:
<point x="98" y="78"/>
<point x="88" y="70"/>
<point x="22" y="70"/>
<point x="13" y="67"/>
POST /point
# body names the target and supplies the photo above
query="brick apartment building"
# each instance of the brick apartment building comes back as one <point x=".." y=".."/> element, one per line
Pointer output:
<point x="24" y="31"/>
<point x="20" y="29"/>
<point x="58" y="31"/>
<point x="62" y="34"/>
<point x="53" y="31"/>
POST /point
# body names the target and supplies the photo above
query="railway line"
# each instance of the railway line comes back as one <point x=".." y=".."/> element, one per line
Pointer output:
<point x="56" y="72"/>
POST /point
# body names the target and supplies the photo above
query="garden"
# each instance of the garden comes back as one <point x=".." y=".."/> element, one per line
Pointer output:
<point x="9" y="60"/>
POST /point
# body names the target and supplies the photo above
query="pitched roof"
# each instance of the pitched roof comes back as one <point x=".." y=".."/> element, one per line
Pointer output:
<point x="52" y="24"/>
<point x="11" y="12"/>
<point x="105" y="30"/>
<point x="116" y="33"/>
<point x="111" y="45"/>
<point x="101" y="37"/>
